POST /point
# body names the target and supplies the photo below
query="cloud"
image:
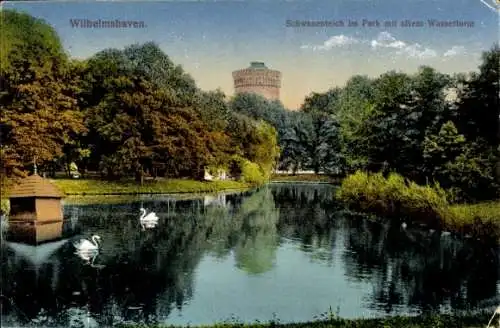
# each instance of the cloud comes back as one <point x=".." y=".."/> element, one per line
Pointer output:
<point x="454" y="51"/>
<point x="417" y="51"/>
<point x="336" y="41"/>
<point x="386" y="41"/>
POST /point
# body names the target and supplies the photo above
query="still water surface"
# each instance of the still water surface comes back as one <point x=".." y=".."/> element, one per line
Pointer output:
<point x="285" y="251"/>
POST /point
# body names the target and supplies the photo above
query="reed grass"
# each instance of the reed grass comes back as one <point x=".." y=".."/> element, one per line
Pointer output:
<point x="395" y="197"/>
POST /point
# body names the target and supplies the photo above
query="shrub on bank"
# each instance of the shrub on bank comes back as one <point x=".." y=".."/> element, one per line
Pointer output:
<point x="397" y="198"/>
<point x="252" y="173"/>
<point x="481" y="219"/>
<point x="4" y="201"/>
<point x="393" y="196"/>
<point x="4" y="206"/>
<point x="248" y="172"/>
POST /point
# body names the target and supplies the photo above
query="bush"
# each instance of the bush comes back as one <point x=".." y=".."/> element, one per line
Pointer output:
<point x="251" y="173"/>
<point x="4" y="206"/>
<point x="393" y="196"/>
<point x="247" y="171"/>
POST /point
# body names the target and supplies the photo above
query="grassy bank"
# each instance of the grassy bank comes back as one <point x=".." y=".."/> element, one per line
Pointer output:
<point x="438" y="321"/>
<point x="396" y="198"/>
<point x="120" y="199"/>
<point x="170" y="186"/>
<point x="94" y="187"/>
<point x="303" y="178"/>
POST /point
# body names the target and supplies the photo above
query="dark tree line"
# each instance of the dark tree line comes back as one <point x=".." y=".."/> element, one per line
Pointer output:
<point x="133" y="112"/>
<point x="123" y="113"/>
<point x="427" y="126"/>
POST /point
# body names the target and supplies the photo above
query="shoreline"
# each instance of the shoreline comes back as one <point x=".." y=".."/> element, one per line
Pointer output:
<point x="90" y="187"/>
<point x="331" y="320"/>
<point x="121" y="198"/>
<point x="301" y="182"/>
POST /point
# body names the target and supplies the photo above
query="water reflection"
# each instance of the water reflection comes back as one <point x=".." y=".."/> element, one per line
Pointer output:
<point x="285" y="248"/>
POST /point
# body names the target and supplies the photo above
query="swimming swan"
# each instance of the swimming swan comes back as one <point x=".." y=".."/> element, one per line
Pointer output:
<point x="85" y="245"/>
<point x="150" y="217"/>
<point x="148" y="221"/>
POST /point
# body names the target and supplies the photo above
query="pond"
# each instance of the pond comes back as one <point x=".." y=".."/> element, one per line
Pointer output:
<point x="284" y="251"/>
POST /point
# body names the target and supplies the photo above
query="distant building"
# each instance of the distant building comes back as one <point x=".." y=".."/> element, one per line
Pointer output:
<point x="258" y="79"/>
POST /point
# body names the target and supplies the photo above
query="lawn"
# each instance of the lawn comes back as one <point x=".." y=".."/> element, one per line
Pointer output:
<point x="167" y="186"/>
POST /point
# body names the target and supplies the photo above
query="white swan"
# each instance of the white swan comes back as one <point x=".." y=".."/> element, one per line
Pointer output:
<point x="84" y="245"/>
<point x="148" y="221"/>
<point x="150" y="217"/>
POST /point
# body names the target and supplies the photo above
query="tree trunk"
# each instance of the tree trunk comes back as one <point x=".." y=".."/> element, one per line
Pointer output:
<point x="139" y="176"/>
<point x="68" y="169"/>
<point x="498" y="170"/>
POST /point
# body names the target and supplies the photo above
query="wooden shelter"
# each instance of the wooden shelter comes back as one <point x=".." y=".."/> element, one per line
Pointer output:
<point x="36" y="213"/>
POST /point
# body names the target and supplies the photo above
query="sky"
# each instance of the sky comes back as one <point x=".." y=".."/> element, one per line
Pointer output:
<point x="210" y="39"/>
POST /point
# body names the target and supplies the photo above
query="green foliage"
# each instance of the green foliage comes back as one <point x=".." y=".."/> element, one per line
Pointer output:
<point x="395" y="197"/>
<point x="460" y="166"/>
<point x="319" y="135"/>
<point x="265" y="152"/>
<point x="249" y="172"/>
<point x="4" y="206"/>
<point x="213" y="108"/>
<point x="28" y="40"/>
<point x="134" y="112"/>
<point x="123" y="112"/>
<point x="481" y="219"/>
<point x="478" y="100"/>
<point x="406" y="124"/>
<point x="39" y="113"/>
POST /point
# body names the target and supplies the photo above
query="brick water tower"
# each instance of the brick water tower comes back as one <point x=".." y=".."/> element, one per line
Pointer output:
<point x="258" y="79"/>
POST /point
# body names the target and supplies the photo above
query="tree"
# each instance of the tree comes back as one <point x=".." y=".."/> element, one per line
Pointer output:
<point x="213" y="109"/>
<point x="141" y="81"/>
<point x="478" y="100"/>
<point x="355" y="106"/>
<point x="321" y="135"/>
<point x="459" y="165"/>
<point x="478" y="104"/>
<point x="39" y="110"/>
<point x="390" y="131"/>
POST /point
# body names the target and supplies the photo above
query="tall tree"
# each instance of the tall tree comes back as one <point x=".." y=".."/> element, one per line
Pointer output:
<point x="478" y="101"/>
<point x="390" y="132"/>
<point x="321" y="135"/>
<point x="39" y="110"/>
<point x="355" y="105"/>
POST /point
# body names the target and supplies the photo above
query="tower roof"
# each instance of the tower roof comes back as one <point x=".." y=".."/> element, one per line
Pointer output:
<point x="257" y="65"/>
<point x="35" y="186"/>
